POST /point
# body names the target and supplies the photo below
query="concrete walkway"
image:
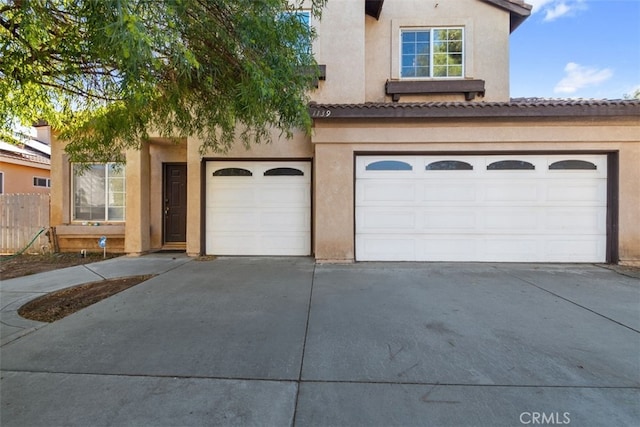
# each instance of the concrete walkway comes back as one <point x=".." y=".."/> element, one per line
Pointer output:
<point x="283" y="341"/>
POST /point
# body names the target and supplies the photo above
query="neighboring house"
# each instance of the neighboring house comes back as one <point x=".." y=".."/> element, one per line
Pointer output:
<point x="25" y="167"/>
<point x="417" y="154"/>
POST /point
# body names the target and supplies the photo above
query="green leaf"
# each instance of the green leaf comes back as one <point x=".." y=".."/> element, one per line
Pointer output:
<point x="104" y="72"/>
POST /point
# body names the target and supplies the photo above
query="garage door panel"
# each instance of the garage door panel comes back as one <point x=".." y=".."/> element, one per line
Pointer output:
<point x="234" y="243"/>
<point x="511" y="192"/>
<point x="503" y="214"/>
<point x="233" y="219"/>
<point x="574" y="192"/>
<point x="297" y="219"/>
<point x="265" y="213"/>
<point x="587" y="249"/>
<point x="372" y="191"/>
<point x="284" y="243"/>
<point x="387" y="221"/>
<point x="242" y="220"/>
<point x="234" y="195"/>
<point x="516" y="249"/>
<point x="290" y="195"/>
<point x="435" y="248"/>
<point x="387" y="249"/>
<point x="461" y="191"/>
<point x="446" y="219"/>
<point x="509" y="220"/>
<point x="583" y="220"/>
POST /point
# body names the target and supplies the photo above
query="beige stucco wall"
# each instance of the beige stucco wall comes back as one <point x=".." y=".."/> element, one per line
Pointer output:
<point x="362" y="53"/>
<point x="60" y="183"/>
<point x="486" y="29"/>
<point x="137" y="227"/>
<point x="336" y="145"/>
<point x="18" y="176"/>
<point x="340" y="46"/>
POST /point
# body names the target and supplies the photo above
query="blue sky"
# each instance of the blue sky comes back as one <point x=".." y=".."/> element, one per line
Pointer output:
<point x="577" y="49"/>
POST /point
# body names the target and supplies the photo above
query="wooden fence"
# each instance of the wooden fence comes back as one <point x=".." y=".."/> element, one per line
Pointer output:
<point x="22" y="216"/>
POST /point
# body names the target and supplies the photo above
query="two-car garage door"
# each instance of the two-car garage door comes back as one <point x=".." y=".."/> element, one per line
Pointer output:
<point x="258" y="208"/>
<point x="533" y="208"/>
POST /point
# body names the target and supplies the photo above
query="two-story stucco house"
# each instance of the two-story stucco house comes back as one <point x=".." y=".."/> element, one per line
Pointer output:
<point x="417" y="154"/>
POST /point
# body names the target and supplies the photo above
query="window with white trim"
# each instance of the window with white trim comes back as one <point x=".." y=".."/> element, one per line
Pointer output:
<point x="41" y="182"/>
<point x="98" y="192"/>
<point x="432" y="52"/>
<point x="303" y="18"/>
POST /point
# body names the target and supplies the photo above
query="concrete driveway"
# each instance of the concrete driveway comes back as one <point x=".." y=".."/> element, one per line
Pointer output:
<point x="283" y="341"/>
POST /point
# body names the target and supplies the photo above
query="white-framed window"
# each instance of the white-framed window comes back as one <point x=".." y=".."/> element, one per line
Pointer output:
<point x="432" y="52"/>
<point x="41" y="182"/>
<point x="303" y="45"/>
<point x="98" y="192"/>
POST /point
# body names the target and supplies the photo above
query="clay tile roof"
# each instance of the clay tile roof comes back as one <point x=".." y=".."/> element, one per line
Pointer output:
<point x="29" y="150"/>
<point x="517" y="107"/>
<point x="24" y="157"/>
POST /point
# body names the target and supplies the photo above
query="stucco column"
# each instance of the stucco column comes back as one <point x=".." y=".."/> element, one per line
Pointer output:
<point x="333" y="220"/>
<point x="137" y="226"/>
<point x="60" y="175"/>
<point x="629" y="205"/>
<point x="194" y="197"/>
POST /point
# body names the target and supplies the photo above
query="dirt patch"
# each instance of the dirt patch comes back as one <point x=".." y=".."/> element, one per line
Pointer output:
<point x="26" y="264"/>
<point x="57" y="305"/>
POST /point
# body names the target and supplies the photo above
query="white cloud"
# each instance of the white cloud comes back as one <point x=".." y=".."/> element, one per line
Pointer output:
<point x="554" y="9"/>
<point x="537" y="4"/>
<point x="578" y="76"/>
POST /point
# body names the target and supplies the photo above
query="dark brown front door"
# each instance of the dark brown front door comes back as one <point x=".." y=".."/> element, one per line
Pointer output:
<point x="175" y="203"/>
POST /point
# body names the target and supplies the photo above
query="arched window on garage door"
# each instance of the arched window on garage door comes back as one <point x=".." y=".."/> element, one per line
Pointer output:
<point x="389" y="165"/>
<point x="232" y="172"/>
<point x="284" y="172"/>
<point x="511" y="165"/>
<point x="448" y="165"/>
<point x="572" y="165"/>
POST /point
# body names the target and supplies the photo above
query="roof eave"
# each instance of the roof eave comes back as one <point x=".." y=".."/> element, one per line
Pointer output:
<point x="518" y="11"/>
<point x="475" y="110"/>
<point x="373" y="8"/>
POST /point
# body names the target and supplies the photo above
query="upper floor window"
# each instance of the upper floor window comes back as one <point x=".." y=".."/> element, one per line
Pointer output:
<point x="432" y="52"/>
<point x="98" y="192"/>
<point x="303" y="19"/>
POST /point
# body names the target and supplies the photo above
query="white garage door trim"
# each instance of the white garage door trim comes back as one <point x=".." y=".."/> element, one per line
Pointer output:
<point x="497" y="208"/>
<point x="258" y="208"/>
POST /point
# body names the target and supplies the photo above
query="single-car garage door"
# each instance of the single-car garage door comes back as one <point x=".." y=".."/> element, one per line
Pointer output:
<point x="258" y="208"/>
<point x="531" y="208"/>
